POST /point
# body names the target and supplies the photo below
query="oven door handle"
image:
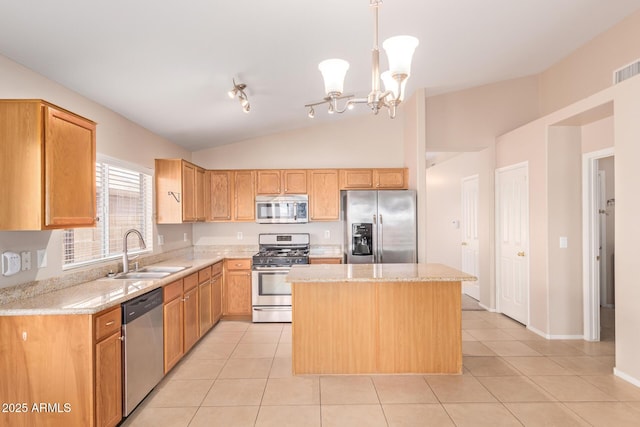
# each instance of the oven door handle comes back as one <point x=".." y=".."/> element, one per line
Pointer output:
<point x="272" y="269"/>
<point x="287" y="308"/>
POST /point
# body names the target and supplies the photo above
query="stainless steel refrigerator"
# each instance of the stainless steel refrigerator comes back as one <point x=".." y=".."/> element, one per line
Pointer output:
<point x="380" y="226"/>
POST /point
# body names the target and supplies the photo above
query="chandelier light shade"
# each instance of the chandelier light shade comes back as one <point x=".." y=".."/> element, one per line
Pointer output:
<point x="399" y="50"/>
<point x="333" y="72"/>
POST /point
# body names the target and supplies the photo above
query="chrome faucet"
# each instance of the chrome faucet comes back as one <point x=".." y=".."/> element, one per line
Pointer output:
<point x="125" y="255"/>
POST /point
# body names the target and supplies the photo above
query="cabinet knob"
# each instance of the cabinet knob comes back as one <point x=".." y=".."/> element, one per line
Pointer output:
<point x="121" y="338"/>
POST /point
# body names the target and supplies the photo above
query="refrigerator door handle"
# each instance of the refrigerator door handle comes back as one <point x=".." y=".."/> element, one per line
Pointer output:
<point x="381" y="240"/>
<point x="376" y="246"/>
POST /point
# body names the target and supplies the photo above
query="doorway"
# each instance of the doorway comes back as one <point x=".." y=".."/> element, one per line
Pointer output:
<point x="599" y="248"/>
<point x="469" y="227"/>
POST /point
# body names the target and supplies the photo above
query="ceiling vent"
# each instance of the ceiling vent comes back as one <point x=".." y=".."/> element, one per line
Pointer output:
<point x="626" y="72"/>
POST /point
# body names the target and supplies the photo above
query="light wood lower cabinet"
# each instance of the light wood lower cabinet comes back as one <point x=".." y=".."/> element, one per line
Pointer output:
<point x="181" y="319"/>
<point x="69" y="363"/>
<point x="237" y="287"/>
<point x="216" y="292"/>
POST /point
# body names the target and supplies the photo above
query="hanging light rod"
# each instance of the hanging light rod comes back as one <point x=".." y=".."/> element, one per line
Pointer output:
<point x="238" y="91"/>
<point x="399" y="51"/>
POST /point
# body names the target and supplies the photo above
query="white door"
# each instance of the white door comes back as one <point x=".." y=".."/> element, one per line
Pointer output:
<point x="512" y="226"/>
<point x="469" y="225"/>
<point x="602" y="235"/>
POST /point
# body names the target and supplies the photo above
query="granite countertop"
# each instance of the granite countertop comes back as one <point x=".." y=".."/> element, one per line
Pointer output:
<point x="97" y="295"/>
<point x="376" y="273"/>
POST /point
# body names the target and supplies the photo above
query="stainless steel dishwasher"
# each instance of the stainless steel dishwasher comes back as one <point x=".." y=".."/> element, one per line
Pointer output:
<point x="142" y="352"/>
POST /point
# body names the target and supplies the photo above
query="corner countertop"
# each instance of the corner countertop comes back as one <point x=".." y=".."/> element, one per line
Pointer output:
<point x="101" y="294"/>
<point x="376" y="273"/>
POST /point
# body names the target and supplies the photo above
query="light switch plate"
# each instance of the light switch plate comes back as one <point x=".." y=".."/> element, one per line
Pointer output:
<point x="42" y="258"/>
<point x="26" y="260"/>
<point x="564" y="242"/>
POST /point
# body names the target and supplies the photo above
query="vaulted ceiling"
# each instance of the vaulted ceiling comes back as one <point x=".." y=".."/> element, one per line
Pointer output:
<point x="167" y="64"/>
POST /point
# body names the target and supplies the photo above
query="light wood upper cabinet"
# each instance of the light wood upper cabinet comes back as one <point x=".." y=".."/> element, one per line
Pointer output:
<point x="180" y="191"/>
<point x="49" y="157"/>
<point x="353" y="179"/>
<point x="268" y="182"/>
<point x="285" y="181"/>
<point x="294" y="181"/>
<point x="324" y="195"/>
<point x="244" y="195"/>
<point x="220" y="195"/>
<point x="393" y="178"/>
<point x="373" y="179"/>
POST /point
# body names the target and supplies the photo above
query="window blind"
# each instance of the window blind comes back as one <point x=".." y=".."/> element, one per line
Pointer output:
<point x="123" y="201"/>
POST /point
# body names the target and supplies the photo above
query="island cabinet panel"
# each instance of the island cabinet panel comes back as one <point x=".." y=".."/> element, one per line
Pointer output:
<point x="435" y="345"/>
<point x="334" y="337"/>
<point x="357" y="327"/>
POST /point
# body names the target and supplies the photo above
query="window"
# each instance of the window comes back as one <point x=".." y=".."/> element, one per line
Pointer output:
<point x="124" y="201"/>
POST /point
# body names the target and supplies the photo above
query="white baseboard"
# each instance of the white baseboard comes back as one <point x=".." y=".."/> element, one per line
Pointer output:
<point x="628" y="378"/>
<point x="492" y="310"/>
<point x="554" y="337"/>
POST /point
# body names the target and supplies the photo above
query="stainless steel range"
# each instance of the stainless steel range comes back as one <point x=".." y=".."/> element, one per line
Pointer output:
<point x="271" y="295"/>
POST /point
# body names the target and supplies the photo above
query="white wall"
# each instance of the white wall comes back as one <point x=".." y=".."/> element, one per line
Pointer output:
<point x="116" y="137"/>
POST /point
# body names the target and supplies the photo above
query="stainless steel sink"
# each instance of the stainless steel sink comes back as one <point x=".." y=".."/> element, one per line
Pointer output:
<point x="150" y="273"/>
<point x="145" y="275"/>
<point x="160" y="269"/>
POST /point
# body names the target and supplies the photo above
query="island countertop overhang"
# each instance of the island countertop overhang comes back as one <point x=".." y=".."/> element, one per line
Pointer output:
<point x="314" y="273"/>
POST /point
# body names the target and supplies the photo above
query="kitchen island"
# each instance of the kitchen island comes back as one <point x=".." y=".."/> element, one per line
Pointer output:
<point x="376" y="318"/>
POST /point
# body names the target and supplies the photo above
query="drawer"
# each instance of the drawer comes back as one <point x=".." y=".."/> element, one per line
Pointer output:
<point x="172" y="291"/>
<point x="190" y="282"/>
<point x="204" y="275"/>
<point x="327" y="260"/>
<point x="239" y="264"/>
<point x="107" y="323"/>
<point x="216" y="269"/>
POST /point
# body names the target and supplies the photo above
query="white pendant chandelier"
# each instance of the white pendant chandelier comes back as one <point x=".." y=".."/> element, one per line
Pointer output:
<point x="399" y="51"/>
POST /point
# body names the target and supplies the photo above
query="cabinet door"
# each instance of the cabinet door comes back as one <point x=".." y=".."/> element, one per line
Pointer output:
<point x="356" y="179"/>
<point x="216" y="298"/>
<point x="295" y="181"/>
<point x="200" y="194"/>
<point x="205" y="307"/>
<point x="69" y="170"/>
<point x="220" y="195"/>
<point x="245" y="198"/>
<point x="237" y="293"/>
<point x="173" y="333"/>
<point x="390" y="178"/>
<point x="268" y="182"/>
<point x="188" y="192"/>
<point x="191" y="319"/>
<point x="109" y="381"/>
<point x="324" y="195"/>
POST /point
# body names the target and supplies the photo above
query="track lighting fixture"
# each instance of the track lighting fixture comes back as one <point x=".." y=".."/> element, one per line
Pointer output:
<point x="238" y="91"/>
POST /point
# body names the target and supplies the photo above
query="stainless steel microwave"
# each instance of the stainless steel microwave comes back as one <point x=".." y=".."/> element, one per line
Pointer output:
<point x="282" y="209"/>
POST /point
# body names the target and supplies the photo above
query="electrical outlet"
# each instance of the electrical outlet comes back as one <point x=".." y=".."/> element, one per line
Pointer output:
<point x="160" y="240"/>
<point x="26" y="261"/>
<point x="327" y="234"/>
<point x="185" y="237"/>
<point x="42" y="258"/>
<point x="239" y="235"/>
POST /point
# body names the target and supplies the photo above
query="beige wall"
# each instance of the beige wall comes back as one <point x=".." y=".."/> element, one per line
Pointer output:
<point x="471" y="119"/>
<point x="116" y="137"/>
<point x="358" y="141"/>
<point x="627" y="234"/>
<point x="598" y="135"/>
<point x="444" y="205"/>
<point x="564" y="192"/>
<point x="589" y="69"/>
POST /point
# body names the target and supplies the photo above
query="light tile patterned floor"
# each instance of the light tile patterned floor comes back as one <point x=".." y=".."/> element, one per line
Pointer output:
<point x="239" y="375"/>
